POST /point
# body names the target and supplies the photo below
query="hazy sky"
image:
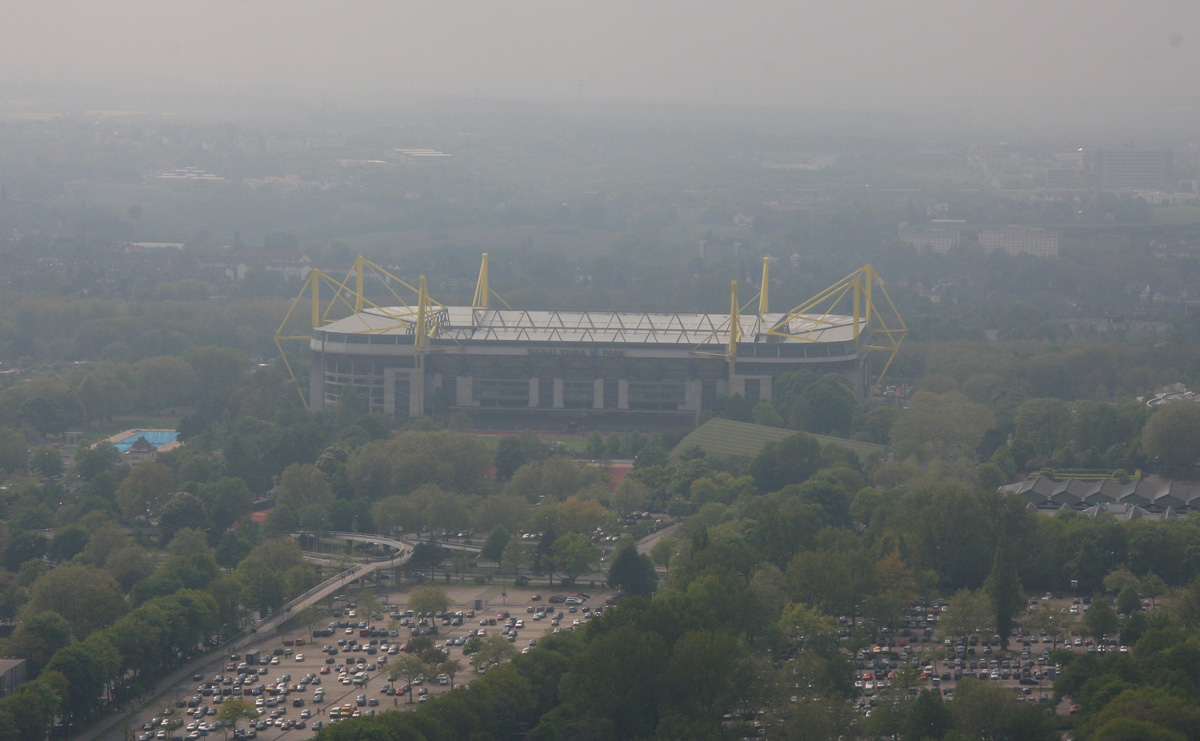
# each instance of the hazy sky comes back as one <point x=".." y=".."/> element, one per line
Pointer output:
<point x="1020" y="57"/>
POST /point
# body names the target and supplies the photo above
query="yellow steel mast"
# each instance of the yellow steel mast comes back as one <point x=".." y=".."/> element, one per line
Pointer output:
<point x="764" y="287"/>
<point x="482" y="292"/>
<point x="873" y="331"/>
<point x="419" y="347"/>
<point x="735" y="332"/>
<point x="422" y="319"/>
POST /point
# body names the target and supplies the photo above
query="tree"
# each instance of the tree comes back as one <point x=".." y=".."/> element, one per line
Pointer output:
<point x="1172" y="435"/>
<point x="807" y="626"/>
<point x="651" y="455"/>
<point x="85" y="672"/>
<point x="145" y="488"/>
<point x="632" y="573"/>
<point x="14" y="451"/>
<point x="515" y="556"/>
<point x="1045" y="423"/>
<point x="629" y="496"/>
<point x="1100" y="620"/>
<point x="369" y="606"/>
<point x="1004" y="588"/>
<point x="301" y="485"/>
<point x="827" y="406"/>
<point x="765" y="414"/>
<point x="493" y="547"/>
<point x="616" y="683"/>
<point x="310" y="617"/>
<point x="508" y="458"/>
<point x="1128" y="601"/>
<point x="45" y="414"/>
<point x="1130" y="729"/>
<point x="451" y="667"/>
<point x="86" y="596"/>
<point x="181" y="511"/>
<point x="703" y="675"/>
<point x="968" y="613"/>
<point x="943" y="424"/>
<point x="574" y="554"/>
<point x="577" y="514"/>
<point x="39" y="638"/>
<point x="428" y="600"/>
<point x="928" y="718"/>
<point x="408" y="667"/>
<point x="233" y="710"/>
<point x="101" y="457"/>
<point x="164" y="381"/>
<point x="218" y="370"/>
<point x="789" y="461"/>
<point x="495" y="649"/>
<point x="67" y="543"/>
<point x="23" y="546"/>
<point x="47" y="460"/>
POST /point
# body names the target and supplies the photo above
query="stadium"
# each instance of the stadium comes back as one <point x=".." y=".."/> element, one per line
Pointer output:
<point x="511" y="368"/>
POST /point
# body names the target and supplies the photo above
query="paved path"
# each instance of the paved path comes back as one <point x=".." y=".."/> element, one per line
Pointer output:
<point x="647" y="543"/>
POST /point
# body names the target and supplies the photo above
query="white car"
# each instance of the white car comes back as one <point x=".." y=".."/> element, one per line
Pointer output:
<point x="299" y="657"/>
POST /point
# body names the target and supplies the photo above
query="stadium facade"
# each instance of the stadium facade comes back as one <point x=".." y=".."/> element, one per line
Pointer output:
<point x="584" y="369"/>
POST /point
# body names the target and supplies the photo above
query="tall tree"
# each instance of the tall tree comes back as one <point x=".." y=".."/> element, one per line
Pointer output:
<point x="633" y="574"/>
<point x="509" y="457"/>
<point x="1172" y="435"/>
<point x="574" y="555"/>
<point x="788" y="461"/>
<point x="493" y="547"/>
<point x="1004" y="587"/>
<point x="928" y="718"/>
<point x="407" y="667"/>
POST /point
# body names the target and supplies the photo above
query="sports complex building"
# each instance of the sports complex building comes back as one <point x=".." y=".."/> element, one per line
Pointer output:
<point x="578" y="369"/>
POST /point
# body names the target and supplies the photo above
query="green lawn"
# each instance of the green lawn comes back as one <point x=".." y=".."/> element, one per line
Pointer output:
<point x="723" y="437"/>
<point x="572" y="444"/>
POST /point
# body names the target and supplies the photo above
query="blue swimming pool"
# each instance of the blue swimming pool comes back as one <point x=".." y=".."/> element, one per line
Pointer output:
<point x="157" y="438"/>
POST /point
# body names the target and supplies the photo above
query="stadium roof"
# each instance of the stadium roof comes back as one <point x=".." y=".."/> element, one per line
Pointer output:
<point x="470" y="324"/>
<point x="721" y="438"/>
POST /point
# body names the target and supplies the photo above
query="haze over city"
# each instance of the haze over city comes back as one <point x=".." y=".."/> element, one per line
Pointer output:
<point x="1022" y="62"/>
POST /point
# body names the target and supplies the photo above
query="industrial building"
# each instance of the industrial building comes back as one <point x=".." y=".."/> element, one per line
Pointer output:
<point x="1020" y="241"/>
<point x="1148" y="169"/>
<point x="583" y="369"/>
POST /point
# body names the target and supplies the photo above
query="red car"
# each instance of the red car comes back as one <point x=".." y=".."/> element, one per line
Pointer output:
<point x="325" y="669"/>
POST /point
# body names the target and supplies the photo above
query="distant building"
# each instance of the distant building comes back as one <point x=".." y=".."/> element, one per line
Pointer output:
<point x="420" y="154"/>
<point x="1149" y="498"/>
<point x="140" y="451"/>
<point x="1020" y="241"/>
<point x="938" y="241"/>
<point x="12" y="675"/>
<point x="1133" y="169"/>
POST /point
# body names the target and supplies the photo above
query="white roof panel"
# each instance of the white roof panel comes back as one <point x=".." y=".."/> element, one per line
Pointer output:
<point x="468" y="324"/>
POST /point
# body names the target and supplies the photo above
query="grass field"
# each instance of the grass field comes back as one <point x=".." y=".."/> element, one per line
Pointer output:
<point x="569" y="443"/>
<point x="723" y="437"/>
<point x="1176" y="215"/>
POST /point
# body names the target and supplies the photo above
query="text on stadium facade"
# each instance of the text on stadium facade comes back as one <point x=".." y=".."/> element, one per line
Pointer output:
<point x="576" y="352"/>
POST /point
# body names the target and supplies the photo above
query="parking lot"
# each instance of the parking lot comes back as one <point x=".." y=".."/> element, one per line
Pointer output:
<point x="308" y="684"/>
<point x="940" y="663"/>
